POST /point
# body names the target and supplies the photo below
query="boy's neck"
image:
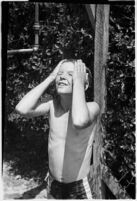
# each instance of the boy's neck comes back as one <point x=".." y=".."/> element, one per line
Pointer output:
<point x="66" y="102"/>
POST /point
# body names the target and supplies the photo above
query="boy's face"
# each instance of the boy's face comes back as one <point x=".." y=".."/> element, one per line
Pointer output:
<point x="64" y="79"/>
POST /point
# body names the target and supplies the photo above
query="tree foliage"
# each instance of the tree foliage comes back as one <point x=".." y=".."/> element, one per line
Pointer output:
<point x="66" y="33"/>
<point x="119" y="141"/>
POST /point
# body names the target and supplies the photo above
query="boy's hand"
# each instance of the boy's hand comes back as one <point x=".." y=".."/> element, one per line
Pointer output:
<point x="79" y="74"/>
<point x="55" y="71"/>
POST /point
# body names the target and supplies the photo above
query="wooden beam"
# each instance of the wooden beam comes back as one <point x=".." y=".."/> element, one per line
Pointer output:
<point x="100" y="57"/>
<point x="100" y="54"/>
<point x="91" y="10"/>
<point x="113" y="184"/>
<point x="101" y="177"/>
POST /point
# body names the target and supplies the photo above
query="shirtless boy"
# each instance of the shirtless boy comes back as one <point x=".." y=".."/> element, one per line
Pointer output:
<point x="72" y="123"/>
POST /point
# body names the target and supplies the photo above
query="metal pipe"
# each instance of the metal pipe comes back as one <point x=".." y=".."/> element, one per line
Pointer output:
<point x="36" y="31"/>
<point x="36" y="13"/>
<point x="36" y="25"/>
<point x="9" y="52"/>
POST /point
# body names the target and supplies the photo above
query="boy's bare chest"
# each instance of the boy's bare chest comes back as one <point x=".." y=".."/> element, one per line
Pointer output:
<point x="61" y="126"/>
<point x="61" y="123"/>
<point x="62" y="129"/>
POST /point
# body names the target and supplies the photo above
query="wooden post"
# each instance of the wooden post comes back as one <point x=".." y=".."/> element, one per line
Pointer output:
<point x="99" y="17"/>
<point x="91" y="10"/>
<point x="103" y="184"/>
<point x="100" y="57"/>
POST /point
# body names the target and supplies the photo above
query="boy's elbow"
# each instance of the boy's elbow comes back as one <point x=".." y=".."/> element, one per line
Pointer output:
<point x="81" y="124"/>
<point x="20" y="110"/>
<point x="17" y="109"/>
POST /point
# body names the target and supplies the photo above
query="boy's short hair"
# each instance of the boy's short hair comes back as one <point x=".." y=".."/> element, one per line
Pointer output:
<point x="87" y="70"/>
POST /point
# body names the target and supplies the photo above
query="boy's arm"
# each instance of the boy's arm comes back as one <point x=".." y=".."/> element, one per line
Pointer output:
<point x="29" y="106"/>
<point x="83" y="114"/>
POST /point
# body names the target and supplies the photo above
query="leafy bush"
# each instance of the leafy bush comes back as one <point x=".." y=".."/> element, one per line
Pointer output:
<point x="119" y="140"/>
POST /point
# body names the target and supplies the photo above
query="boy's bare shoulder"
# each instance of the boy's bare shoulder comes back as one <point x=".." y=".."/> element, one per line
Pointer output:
<point x="53" y="103"/>
<point x="46" y="102"/>
<point x="47" y="99"/>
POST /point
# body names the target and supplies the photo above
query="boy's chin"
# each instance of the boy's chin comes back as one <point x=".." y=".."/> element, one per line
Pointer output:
<point x="61" y="92"/>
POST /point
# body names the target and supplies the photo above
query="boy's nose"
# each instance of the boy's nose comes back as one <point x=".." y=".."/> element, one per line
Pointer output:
<point x="62" y="77"/>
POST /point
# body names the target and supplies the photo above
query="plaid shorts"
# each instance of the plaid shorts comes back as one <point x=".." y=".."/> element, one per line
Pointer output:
<point x="75" y="190"/>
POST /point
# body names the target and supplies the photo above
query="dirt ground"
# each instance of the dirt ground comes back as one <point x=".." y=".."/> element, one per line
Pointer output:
<point x="16" y="187"/>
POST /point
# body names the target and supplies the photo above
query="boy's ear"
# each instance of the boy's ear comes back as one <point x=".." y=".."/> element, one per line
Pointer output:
<point x="86" y="86"/>
<point x="87" y="82"/>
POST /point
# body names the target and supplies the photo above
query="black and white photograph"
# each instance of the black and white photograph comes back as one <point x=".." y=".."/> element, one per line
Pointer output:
<point x="68" y="100"/>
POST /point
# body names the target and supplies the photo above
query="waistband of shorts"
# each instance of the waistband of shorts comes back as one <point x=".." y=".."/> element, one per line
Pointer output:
<point x="73" y="183"/>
